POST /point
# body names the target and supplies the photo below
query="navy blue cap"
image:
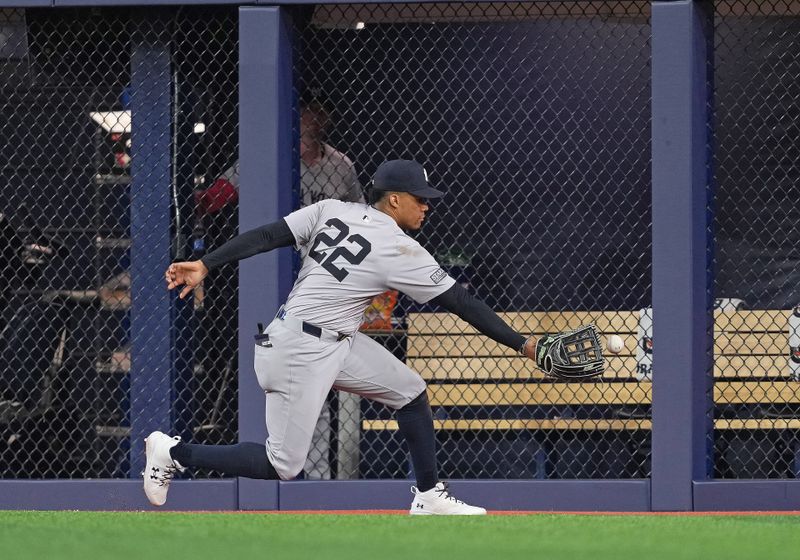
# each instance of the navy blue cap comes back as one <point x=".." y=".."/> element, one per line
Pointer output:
<point x="404" y="175"/>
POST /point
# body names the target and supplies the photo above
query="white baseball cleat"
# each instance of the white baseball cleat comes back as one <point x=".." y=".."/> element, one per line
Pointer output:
<point x="160" y="467"/>
<point x="438" y="501"/>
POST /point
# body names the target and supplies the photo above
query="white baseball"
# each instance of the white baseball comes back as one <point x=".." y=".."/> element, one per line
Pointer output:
<point x="614" y="344"/>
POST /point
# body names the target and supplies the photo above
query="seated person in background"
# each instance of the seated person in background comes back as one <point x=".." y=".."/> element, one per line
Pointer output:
<point x="325" y="172"/>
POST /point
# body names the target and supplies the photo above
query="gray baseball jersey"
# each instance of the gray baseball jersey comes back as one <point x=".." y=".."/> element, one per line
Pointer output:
<point x="351" y="253"/>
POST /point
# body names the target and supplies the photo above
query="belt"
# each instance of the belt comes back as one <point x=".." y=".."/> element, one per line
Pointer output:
<point x="298" y="325"/>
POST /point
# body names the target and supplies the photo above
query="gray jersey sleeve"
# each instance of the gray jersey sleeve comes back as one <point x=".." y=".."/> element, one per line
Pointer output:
<point x="417" y="274"/>
<point x="304" y="221"/>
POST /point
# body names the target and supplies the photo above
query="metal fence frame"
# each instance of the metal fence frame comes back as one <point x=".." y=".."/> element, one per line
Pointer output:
<point x="682" y="39"/>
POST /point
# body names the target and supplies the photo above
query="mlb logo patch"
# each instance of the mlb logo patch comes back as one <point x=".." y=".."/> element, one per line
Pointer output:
<point x="438" y="276"/>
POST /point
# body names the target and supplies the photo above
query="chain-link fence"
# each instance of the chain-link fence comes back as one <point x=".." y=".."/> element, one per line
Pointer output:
<point x="535" y="119"/>
<point x="757" y="176"/>
<point x="67" y="155"/>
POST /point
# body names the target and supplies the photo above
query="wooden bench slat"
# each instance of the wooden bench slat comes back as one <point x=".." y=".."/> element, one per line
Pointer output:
<point x="500" y="394"/>
<point x="472" y="345"/>
<point x="528" y="321"/>
<point x="739" y="344"/>
<point x="758" y="424"/>
<point x="617" y="367"/>
<point x="538" y="394"/>
<point x="752" y="366"/>
<point x="753" y="392"/>
<point x="541" y="424"/>
<point x="454" y="369"/>
<point x="757" y="320"/>
<point x="575" y="424"/>
<point x="447" y="345"/>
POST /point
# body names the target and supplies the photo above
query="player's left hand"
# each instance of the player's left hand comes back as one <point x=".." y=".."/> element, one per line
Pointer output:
<point x="187" y="274"/>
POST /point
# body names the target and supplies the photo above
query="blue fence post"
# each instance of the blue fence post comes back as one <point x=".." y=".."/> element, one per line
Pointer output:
<point x="682" y="288"/>
<point x="265" y="195"/>
<point x="158" y="345"/>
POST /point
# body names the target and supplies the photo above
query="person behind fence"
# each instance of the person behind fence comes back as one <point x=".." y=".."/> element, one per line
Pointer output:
<point x="351" y="252"/>
<point x="325" y="172"/>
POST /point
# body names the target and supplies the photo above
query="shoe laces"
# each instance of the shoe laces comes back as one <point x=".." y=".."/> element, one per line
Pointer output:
<point x="163" y="477"/>
<point x="444" y="493"/>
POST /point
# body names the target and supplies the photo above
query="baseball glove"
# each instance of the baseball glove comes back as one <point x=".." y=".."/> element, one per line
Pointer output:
<point x="571" y="355"/>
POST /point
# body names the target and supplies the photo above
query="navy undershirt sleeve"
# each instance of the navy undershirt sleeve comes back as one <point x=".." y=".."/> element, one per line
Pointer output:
<point x="475" y="312"/>
<point x="259" y="240"/>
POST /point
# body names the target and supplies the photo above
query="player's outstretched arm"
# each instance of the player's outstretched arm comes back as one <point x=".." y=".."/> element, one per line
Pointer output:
<point x="259" y="240"/>
<point x="571" y="355"/>
<point x="475" y="312"/>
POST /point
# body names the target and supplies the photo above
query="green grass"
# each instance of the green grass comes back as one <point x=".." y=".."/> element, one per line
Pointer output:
<point x="172" y="536"/>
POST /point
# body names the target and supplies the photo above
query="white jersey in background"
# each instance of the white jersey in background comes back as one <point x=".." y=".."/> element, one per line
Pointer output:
<point x="351" y="253"/>
<point x="332" y="176"/>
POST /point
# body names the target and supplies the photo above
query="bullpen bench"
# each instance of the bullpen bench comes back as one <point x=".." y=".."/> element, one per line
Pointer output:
<point x="472" y="379"/>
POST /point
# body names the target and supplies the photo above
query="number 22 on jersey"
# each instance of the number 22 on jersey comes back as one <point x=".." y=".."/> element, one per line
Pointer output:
<point x="325" y="242"/>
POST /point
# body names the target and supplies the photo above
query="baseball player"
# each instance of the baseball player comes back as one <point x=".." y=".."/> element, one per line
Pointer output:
<point x="325" y="172"/>
<point x="351" y="252"/>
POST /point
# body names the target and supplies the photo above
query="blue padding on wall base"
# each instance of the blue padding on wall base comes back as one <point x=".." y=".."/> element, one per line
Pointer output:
<point x="64" y="3"/>
<point x="498" y="495"/>
<point x="345" y="494"/>
<point x="117" y="494"/>
<point x="747" y="495"/>
<point x="265" y="495"/>
<point x="27" y="4"/>
<point x="258" y="495"/>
